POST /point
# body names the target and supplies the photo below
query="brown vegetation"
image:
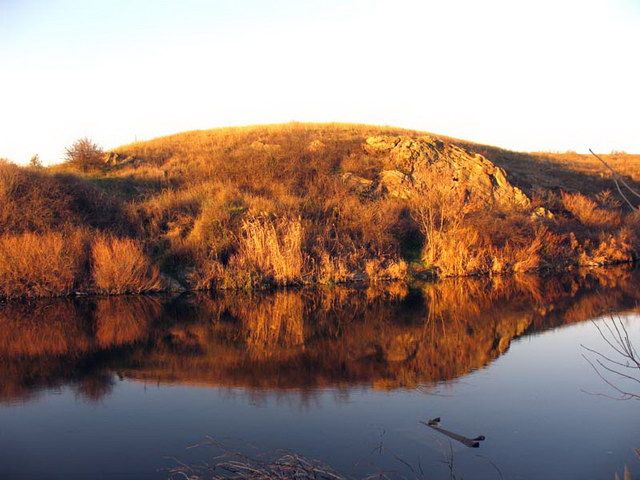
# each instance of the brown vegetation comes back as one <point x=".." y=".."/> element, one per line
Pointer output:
<point x="84" y="155"/>
<point x="305" y="203"/>
<point x="43" y="265"/>
<point x="120" y="266"/>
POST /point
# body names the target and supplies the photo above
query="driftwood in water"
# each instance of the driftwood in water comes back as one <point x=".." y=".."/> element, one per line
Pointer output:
<point x="469" y="442"/>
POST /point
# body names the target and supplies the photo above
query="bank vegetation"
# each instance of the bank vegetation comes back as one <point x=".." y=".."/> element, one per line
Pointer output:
<point x="297" y="204"/>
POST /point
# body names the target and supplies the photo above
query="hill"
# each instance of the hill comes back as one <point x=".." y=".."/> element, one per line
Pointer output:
<point x="305" y="203"/>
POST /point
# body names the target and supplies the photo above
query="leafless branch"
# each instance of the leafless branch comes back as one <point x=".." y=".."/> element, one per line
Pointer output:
<point x="618" y="179"/>
<point x="616" y="336"/>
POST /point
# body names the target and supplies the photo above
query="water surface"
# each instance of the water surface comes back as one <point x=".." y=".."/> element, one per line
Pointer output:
<point x="119" y="388"/>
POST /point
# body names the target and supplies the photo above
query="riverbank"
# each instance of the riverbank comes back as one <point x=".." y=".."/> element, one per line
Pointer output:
<point x="301" y="204"/>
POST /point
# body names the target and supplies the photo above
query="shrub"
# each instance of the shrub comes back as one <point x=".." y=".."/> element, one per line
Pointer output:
<point x="41" y="264"/>
<point x="121" y="266"/>
<point x="35" y="161"/>
<point x="84" y="155"/>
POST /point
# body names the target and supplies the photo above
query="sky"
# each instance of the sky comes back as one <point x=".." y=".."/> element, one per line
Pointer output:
<point x="526" y="75"/>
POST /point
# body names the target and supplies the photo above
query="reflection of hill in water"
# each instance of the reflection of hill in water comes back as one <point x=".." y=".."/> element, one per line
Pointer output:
<point x="303" y="340"/>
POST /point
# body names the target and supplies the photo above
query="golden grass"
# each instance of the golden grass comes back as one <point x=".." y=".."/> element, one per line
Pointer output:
<point x="589" y="213"/>
<point x="274" y="249"/>
<point x="121" y="266"/>
<point x="267" y="205"/>
<point x="38" y="265"/>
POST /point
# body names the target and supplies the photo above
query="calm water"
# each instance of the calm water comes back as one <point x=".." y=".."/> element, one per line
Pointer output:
<point x="119" y="388"/>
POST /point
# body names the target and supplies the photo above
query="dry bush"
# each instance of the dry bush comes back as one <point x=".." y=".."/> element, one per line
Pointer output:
<point x="589" y="213"/>
<point x="333" y="269"/>
<point x="485" y="244"/>
<point x="85" y="155"/>
<point x="378" y="270"/>
<point x="437" y="211"/>
<point x="466" y="238"/>
<point x="41" y="264"/>
<point x="121" y="266"/>
<point x="207" y="273"/>
<point x="273" y="249"/>
<point x="608" y="248"/>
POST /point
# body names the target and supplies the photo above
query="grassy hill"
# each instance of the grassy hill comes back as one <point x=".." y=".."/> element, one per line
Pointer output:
<point x="305" y="203"/>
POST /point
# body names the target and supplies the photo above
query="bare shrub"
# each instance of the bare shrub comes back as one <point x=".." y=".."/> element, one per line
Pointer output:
<point x="84" y="155"/>
<point x="35" y="162"/>
<point x="332" y="269"/>
<point x="467" y="238"/>
<point x="121" y="266"/>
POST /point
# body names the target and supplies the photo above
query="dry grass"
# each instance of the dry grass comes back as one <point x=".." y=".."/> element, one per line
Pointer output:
<point x="589" y="213"/>
<point x="267" y="205"/>
<point x="274" y="249"/>
<point x="121" y="266"/>
<point x="38" y="265"/>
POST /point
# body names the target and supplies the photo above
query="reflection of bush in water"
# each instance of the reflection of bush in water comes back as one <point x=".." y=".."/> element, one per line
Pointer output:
<point x="296" y="339"/>
<point x="47" y="343"/>
<point x="46" y="327"/>
<point x="123" y="320"/>
<point x="334" y="336"/>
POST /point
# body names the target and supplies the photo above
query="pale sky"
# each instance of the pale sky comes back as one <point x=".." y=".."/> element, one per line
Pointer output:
<point x="526" y="75"/>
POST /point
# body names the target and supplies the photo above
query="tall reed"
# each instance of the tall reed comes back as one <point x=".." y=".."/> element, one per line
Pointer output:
<point x="273" y="248"/>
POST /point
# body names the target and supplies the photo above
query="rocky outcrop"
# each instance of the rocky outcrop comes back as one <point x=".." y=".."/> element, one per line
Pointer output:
<point x="358" y="184"/>
<point x="413" y="165"/>
<point x="115" y="158"/>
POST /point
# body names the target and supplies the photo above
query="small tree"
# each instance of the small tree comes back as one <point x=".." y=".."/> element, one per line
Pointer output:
<point x="84" y="155"/>
<point x="35" y="161"/>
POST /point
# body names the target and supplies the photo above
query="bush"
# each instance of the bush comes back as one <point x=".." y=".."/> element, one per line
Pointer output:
<point x="35" y="161"/>
<point x="121" y="266"/>
<point x="84" y="155"/>
<point x="41" y="265"/>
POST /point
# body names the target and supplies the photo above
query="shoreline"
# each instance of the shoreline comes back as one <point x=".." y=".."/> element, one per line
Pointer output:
<point x="411" y="280"/>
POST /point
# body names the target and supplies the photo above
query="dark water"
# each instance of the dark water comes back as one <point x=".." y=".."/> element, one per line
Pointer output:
<point x="118" y="388"/>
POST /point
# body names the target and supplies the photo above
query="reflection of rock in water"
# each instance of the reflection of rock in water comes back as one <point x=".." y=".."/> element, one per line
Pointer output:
<point x="293" y="339"/>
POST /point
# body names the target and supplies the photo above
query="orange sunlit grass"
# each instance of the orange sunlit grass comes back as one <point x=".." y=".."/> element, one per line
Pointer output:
<point x="308" y="203"/>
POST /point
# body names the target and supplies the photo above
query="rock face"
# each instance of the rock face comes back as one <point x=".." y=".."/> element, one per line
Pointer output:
<point x="114" y="158"/>
<point x="412" y="165"/>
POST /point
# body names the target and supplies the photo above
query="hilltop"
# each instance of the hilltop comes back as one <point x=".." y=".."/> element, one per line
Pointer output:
<point x="297" y="204"/>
